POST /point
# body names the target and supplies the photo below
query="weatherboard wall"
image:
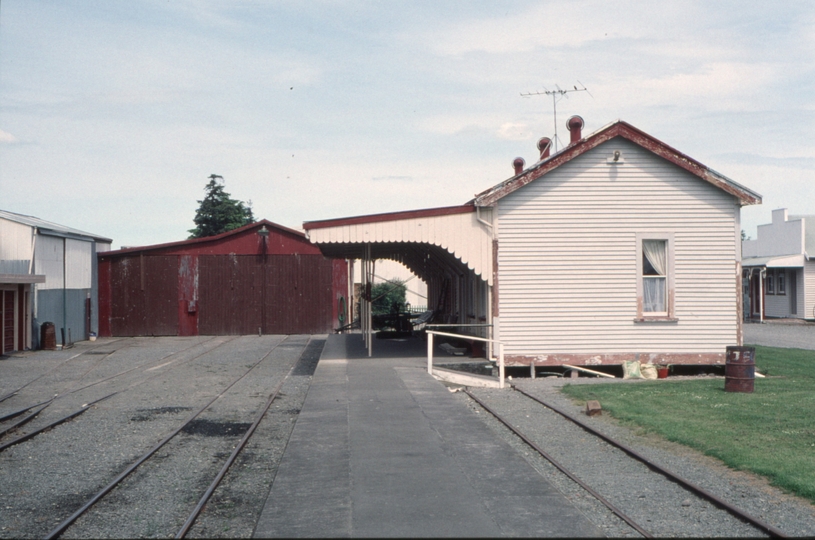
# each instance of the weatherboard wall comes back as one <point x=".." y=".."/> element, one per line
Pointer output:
<point x="809" y="286"/>
<point x="568" y="257"/>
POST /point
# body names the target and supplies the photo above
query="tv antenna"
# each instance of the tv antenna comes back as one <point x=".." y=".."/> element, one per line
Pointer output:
<point x="557" y="95"/>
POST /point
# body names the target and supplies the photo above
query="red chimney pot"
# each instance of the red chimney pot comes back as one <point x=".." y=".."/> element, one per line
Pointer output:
<point x="575" y="124"/>
<point x="518" y="163"/>
<point x="544" y="145"/>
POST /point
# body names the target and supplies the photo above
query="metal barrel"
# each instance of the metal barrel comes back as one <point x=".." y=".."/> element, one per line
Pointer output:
<point x="740" y="369"/>
<point x="48" y="337"/>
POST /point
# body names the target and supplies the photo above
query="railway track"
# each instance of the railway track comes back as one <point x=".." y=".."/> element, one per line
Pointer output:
<point x="35" y="410"/>
<point x="649" y="499"/>
<point x="195" y="448"/>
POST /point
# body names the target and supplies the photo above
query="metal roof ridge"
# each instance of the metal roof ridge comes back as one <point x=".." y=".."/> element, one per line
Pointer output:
<point x="205" y="239"/>
<point x="389" y="216"/>
<point x="39" y="223"/>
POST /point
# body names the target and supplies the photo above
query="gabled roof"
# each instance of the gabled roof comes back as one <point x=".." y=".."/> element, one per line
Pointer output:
<point x="606" y="133"/>
<point x="52" y="229"/>
<point x="207" y="239"/>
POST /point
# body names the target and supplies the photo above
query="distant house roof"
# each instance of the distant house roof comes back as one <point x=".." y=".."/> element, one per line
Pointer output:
<point x="50" y="228"/>
<point x="778" y="261"/>
<point x="606" y="133"/>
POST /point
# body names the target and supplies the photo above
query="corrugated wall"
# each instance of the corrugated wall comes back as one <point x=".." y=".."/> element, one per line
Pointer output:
<point x="297" y="294"/>
<point x="230" y="294"/>
<point x="236" y="294"/>
<point x="15" y="249"/>
<point x="144" y="296"/>
<point x="49" y="262"/>
<point x="568" y="258"/>
<point x="73" y="317"/>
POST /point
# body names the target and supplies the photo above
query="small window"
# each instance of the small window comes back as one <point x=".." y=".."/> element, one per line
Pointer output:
<point x="780" y="278"/>
<point x="654" y="276"/>
<point x="769" y="282"/>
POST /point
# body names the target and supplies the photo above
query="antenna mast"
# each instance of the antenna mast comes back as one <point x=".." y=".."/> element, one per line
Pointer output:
<point x="557" y="95"/>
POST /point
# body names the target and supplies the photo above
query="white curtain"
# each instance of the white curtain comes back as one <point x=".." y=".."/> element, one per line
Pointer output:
<point x="654" y="251"/>
<point x="653" y="287"/>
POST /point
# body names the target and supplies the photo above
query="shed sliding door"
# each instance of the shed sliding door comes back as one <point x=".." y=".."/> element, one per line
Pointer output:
<point x="276" y="294"/>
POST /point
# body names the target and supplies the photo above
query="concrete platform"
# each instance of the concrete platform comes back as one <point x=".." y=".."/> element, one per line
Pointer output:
<point x="382" y="449"/>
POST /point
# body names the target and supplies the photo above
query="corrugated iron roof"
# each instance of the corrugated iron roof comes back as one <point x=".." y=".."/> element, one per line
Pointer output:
<point x="625" y="130"/>
<point x="50" y="227"/>
<point x="777" y="261"/>
<point x="206" y="239"/>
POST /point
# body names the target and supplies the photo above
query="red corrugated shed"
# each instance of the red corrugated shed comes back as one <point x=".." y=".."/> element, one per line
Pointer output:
<point x="239" y="282"/>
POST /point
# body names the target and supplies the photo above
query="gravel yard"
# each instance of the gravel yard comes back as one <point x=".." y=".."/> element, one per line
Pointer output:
<point x="787" y="334"/>
<point x="161" y="381"/>
<point x="46" y="479"/>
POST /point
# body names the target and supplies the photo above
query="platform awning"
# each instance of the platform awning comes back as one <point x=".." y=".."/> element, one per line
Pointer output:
<point x="412" y="237"/>
<point x="784" y="261"/>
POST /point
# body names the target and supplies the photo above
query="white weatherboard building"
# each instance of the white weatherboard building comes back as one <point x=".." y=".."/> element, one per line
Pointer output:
<point x="47" y="274"/>
<point x="616" y="248"/>
<point x="779" y="268"/>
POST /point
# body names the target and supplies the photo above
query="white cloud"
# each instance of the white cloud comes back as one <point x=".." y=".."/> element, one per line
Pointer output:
<point x="451" y="124"/>
<point x="7" y="138"/>
<point x="553" y="24"/>
<point x="515" y="131"/>
<point x="710" y="86"/>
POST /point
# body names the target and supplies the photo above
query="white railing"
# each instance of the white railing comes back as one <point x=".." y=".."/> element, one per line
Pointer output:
<point x="431" y="333"/>
<point x="469" y="325"/>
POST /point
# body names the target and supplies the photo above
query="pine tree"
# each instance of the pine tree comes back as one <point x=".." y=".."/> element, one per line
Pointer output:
<point x="218" y="212"/>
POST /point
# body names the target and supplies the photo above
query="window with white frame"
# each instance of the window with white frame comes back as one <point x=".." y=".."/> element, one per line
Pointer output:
<point x="655" y="286"/>
<point x="654" y="276"/>
<point x="769" y="281"/>
<point x="780" y="278"/>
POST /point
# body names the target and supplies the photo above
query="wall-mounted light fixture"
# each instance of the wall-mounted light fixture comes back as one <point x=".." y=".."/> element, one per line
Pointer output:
<point x="616" y="158"/>
<point x="263" y="231"/>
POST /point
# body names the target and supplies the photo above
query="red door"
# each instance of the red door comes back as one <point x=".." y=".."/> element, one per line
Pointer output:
<point x="756" y="300"/>
<point x="8" y="320"/>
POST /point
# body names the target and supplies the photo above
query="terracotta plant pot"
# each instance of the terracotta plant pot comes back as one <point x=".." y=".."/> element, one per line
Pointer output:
<point x="662" y="373"/>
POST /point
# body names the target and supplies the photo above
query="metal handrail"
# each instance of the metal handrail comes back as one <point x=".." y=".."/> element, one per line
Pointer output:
<point x="467" y="324"/>
<point x="431" y="333"/>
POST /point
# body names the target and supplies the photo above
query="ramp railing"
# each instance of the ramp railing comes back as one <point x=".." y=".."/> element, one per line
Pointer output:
<point x="431" y="333"/>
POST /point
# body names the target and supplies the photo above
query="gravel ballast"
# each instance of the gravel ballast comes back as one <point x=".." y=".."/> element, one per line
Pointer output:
<point x="656" y="504"/>
<point x="46" y="479"/>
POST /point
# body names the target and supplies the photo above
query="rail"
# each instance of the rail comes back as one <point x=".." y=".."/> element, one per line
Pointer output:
<point x="431" y="333"/>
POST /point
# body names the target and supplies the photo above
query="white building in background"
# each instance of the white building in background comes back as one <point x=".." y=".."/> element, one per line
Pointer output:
<point x="48" y="273"/>
<point x="779" y="268"/>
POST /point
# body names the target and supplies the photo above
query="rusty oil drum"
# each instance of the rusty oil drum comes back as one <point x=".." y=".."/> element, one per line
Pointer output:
<point x="48" y="337"/>
<point x="740" y="369"/>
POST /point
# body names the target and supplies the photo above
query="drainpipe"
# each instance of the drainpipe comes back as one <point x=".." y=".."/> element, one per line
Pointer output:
<point x="33" y="249"/>
<point x="64" y="290"/>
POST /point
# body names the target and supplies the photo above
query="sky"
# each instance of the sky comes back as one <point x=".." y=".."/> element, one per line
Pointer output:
<point x="114" y="113"/>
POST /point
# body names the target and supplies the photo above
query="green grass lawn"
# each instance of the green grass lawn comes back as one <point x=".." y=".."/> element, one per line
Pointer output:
<point x="770" y="432"/>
